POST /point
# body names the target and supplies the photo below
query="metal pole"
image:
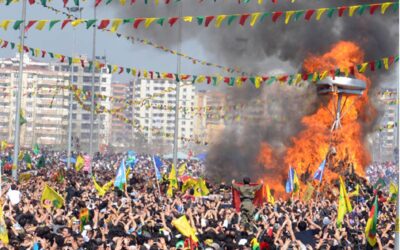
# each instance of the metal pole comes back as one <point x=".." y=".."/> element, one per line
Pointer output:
<point x="19" y="91"/>
<point x="92" y="95"/>
<point x="70" y="104"/>
<point x="397" y="225"/>
<point x="178" y="71"/>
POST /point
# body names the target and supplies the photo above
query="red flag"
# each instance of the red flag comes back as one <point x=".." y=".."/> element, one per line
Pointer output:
<point x="43" y="53"/>
<point x="66" y="2"/>
<point x="172" y="20"/>
<point x="31" y="2"/>
<point x="82" y="63"/>
<point x="258" y="197"/>
<point x="243" y="19"/>
<point x="276" y="15"/>
<point x="97" y="3"/>
<point x="208" y="20"/>
<point x="65" y="22"/>
<point x="137" y="22"/>
<point x="104" y="23"/>
<point x="5" y="44"/>
<point x="309" y="14"/>
<point x="373" y="7"/>
<point x="30" y="24"/>
<point x="372" y="65"/>
<point x="341" y="10"/>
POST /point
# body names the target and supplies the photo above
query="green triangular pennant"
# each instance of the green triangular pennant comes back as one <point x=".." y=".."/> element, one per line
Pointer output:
<point x="17" y="24"/>
<point x="8" y="2"/>
<point x="271" y="80"/>
<point x="200" y="20"/>
<point x="337" y="72"/>
<point x="69" y="60"/>
<point x="395" y="6"/>
<point x="298" y="14"/>
<point x="43" y="2"/>
<point x="128" y="70"/>
<point x="290" y="81"/>
<point x="128" y="20"/>
<point x="76" y="2"/>
<point x="52" y="23"/>
<point x="51" y="54"/>
<point x="264" y="15"/>
<point x="90" y="22"/>
<point x="194" y="79"/>
<point x="396" y="59"/>
<point x="12" y="45"/>
<point x="231" y="18"/>
<point x="252" y="80"/>
<point x="214" y="80"/>
<point x="90" y="65"/>
<point x="160" y="21"/>
<point x="378" y="64"/>
<point x="177" y="78"/>
<point x="362" y="9"/>
<point x="330" y="12"/>
<point x="109" y="69"/>
<point x="32" y="51"/>
<point x="108" y="1"/>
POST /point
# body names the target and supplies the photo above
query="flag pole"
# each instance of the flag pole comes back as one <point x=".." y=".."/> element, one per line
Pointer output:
<point x="177" y="97"/>
<point x="19" y="92"/>
<point x="155" y="173"/>
<point x="92" y="96"/>
<point x="397" y="225"/>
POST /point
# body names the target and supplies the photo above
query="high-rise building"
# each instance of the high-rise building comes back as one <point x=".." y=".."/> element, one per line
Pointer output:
<point x="385" y="141"/>
<point x="155" y="115"/>
<point x="210" y="117"/>
<point x="82" y="78"/>
<point x="44" y="102"/>
<point x="122" y="133"/>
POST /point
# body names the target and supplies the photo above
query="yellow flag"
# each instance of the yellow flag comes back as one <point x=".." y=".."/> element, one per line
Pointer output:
<point x="355" y="192"/>
<point x="188" y="19"/>
<point x="386" y="62"/>
<point x="385" y="6"/>
<point x="182" y="169"/>
<point x="254" y="18"/>
<point x="183" y="226"/>
<point x="319" y="13"/>
<point x="393" y="188"/>
<point x="4" y="145"/>
<point x="40" y="25"/>
<point x="289" y="14"/>
<point x="51" y="198"/>
<point x="363" y="67"/>
<point x="98" y="188"/>
<point x="24" y="177"/>
<point x="309" y="192"/>
<point x="149" y="21"/>
<point x="107" y="186"/>
<point x="203" y="187"/>
<point x="80" y="162"/>
<point x="122" y="2"/>
<point x="172" y="177"/>
<point x="352" y="9"/>
<point x="219" y="20"/>
<point x="20" y="155"/>
<point x="4" y="24"/>
<point x="344" y="204"/>
<point x="270" y="198"/>
<point x="115" y="24"/>
<point x="3" y="227"/>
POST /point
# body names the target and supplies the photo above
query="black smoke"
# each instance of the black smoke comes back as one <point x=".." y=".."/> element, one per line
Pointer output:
<point x="257" y="50"/>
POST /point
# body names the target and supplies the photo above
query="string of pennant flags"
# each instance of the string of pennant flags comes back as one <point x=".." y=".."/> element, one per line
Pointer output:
<point x="256" y="80"/>
<point x="136" y="124"/>
<point x="133" y="2"/>
<point x="147" y="42"/>
<point x="241" y="19"/>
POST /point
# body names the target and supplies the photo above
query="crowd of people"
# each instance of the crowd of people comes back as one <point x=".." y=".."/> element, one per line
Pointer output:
<point x="385" y="171"/>
<point x="143" y="216"/>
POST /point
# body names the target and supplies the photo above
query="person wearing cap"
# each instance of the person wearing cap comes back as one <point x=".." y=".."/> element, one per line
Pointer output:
<point x="247" y="194"/>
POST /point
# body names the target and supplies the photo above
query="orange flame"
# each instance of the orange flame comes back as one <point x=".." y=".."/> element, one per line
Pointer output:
<point x="310" y="147"/>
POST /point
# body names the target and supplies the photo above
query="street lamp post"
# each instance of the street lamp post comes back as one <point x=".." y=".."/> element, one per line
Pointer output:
<point x="19" y="92"/>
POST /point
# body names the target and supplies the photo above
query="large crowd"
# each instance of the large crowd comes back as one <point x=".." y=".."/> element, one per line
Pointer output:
<point x="141" y="215"/>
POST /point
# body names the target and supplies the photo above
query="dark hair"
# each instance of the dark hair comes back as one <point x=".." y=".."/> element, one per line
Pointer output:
<point x="246" y="180"/>
<point x="302" y="226"/>
<point x="13" y="187"/>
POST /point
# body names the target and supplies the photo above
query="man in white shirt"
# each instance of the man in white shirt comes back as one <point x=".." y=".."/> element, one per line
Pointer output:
<point x="14" y="195"/>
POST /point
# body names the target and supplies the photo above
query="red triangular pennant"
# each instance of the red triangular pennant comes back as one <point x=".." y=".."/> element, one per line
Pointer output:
<point x="103" y="24"/>
<point x="172" y="20"/>
<point x="243" y="19"/>
<point x="137" y="22"/>
<point x="341" y="10"/>
<point x="276" y="15"/>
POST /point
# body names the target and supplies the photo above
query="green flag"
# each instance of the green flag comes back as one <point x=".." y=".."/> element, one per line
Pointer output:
<point x="22" y="119"/>
<point x="27" y="158"/>
<point x="36" y="149"/>
<point x="41" y="163"/>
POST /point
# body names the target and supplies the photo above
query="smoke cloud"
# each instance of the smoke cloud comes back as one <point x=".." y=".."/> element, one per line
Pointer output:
<point x="258" y="49"/>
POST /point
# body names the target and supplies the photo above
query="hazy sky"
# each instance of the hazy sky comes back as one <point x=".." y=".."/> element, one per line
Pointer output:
<point x="118" y="51"/>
